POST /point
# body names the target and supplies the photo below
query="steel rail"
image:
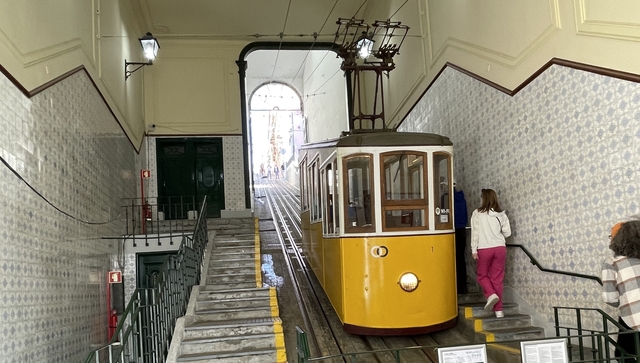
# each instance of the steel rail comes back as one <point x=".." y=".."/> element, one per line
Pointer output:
<point x="303" y="269"/>
<point x="292" y="274"/>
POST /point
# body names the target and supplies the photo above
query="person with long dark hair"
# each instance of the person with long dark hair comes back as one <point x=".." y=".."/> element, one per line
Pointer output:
<point x="621" y="282"/>
<point x="489" y="228"/>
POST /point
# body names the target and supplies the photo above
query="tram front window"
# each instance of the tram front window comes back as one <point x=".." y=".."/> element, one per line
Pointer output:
<point x="358" y="199"/>
<point x="404" y="202"/>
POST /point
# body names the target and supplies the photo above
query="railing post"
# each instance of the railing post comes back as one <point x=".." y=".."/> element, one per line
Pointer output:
<point x="302" y="346"/>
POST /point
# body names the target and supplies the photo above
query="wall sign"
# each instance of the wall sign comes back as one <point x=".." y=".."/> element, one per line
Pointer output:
<point x="115" y="277"/>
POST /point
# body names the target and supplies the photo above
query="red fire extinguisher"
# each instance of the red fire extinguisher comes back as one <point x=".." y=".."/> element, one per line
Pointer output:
<point x="113" y="323"/>
<point x="146" y="209"/>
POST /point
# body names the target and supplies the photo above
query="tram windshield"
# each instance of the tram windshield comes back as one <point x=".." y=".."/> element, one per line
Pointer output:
<point x="403" y="182"/>
<point x="358" y="197"/>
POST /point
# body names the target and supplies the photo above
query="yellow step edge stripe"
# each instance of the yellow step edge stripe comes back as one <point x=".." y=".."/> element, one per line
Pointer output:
<point x="281" y="353"/>
<point x="477" y="325"/>
<point x="273" y="302"/>
<point x="490" y="337"/>
<point x="468" y="312"/>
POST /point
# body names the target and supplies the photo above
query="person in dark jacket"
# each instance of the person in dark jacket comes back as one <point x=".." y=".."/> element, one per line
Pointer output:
<point x="460" y="218"/>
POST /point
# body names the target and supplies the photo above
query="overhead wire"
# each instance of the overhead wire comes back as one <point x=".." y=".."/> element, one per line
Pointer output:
<point x="315" y="38"/>
<point x="284" y="27"/>
<point x="327" y="53"/>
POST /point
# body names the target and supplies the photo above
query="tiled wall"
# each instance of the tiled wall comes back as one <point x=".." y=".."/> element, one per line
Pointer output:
<point x="563" y="155"/>
<point x="66" y="144"/>
<point x="233" y="173"/>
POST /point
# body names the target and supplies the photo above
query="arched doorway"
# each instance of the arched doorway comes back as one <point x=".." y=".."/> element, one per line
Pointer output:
<point x="277" y="129"/>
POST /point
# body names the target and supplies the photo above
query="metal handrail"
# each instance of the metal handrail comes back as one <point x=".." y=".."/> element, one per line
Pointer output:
<point x="600" y="342"/>
<point x="146" y="326"/>
<point x="583" y="333"/>
<point x="537" y="264"/>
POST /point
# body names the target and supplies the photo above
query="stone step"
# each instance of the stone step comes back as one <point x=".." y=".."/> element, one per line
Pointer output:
<point x="225" y="246"/>
<point x="233" y="260"/>
<point x="248" y="254"/>
<point x="214" y="329"/>
<point x="476" y="310"/>
<point x="237" y="285"/>
<point x="230" y="343"/>
<point x="267" y="355"/>
<point x="235" y="293"/>
<point x="229" y="303"/>
<point x="221" y="250"/>
<point x="232" y="270"/>
<point x="235" y="313"/>
<point x="234" y="231"/>
<point x="517" y="333"/>
<point x="217" y="265"/>
<point x="491" y="322"/>
<point x="471" y="298"/>
<point x="227" y="279"/>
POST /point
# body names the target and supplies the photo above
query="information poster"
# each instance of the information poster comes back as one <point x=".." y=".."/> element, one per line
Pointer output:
<point x="544" y="351"/>
<point x="463" y="354"/>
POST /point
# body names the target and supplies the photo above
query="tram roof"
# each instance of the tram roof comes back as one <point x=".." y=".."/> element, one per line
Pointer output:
<point x="390" y="138"/>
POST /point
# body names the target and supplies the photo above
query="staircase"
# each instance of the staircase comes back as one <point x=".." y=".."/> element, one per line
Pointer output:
<point x="231" y="317"/>
<point x="482" y="326"/>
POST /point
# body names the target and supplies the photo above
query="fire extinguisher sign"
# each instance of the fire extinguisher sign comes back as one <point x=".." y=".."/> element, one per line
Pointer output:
<point x="145" y="173"/>
<point x="115" y="277"/>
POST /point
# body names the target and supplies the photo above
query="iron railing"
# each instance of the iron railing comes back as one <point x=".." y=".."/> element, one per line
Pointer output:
<point x="583" y="345"/>
<point x="539" y="266"/>
<point x="599" y="341"/>
<point x="145" y="329"/>
<point x="147" y="220"/>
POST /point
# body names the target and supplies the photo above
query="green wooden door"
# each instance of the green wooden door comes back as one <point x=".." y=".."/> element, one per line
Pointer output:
<point x="188" y="168"/>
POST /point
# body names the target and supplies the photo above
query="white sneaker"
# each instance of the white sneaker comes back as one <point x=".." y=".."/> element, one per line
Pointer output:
<point x="499" y="314"/>
<point x="491" y="301"/>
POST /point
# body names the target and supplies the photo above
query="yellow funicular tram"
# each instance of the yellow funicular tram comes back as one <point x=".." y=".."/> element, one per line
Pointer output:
<point x="377" y="219"/>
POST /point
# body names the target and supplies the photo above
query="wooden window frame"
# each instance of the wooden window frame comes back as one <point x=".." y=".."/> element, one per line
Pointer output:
<point x="438" y="225"/>
<point x="407" y="204"/>
<point x="304" y="199"/>
<point x="345" y="195"/>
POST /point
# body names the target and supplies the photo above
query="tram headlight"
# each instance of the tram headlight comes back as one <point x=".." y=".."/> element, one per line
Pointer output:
<point x="408" y="282"/>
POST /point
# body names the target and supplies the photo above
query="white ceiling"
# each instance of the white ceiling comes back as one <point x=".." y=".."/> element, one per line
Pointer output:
<point x="251" y="20"/>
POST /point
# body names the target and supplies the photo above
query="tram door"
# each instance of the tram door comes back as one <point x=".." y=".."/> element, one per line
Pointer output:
<point x="190" y="168"/>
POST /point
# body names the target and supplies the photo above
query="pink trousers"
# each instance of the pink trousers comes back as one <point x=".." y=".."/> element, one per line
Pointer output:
<point x="491" y="272"/>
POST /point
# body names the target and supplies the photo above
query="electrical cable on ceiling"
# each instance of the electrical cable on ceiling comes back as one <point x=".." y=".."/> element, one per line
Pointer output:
<point x="354" y="15"/>
<point x="47" y="200"/>
<point x="401" y="6"/>
<point x="315" y="38"/>
<point x="325" y="82"/>
<point x="360" y="8"/>
<point x="284" y="27"/>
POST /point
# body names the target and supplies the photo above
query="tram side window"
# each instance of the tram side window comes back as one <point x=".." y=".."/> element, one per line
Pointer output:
<point x="304" y="205"/>
<point x="358" y="199"/>
<point x="442" y="189"/>
<point x="328" y="189"/>
<point x="404" y="190"/>
<point x="336" y="196"/>
<point x="314" y="191"/>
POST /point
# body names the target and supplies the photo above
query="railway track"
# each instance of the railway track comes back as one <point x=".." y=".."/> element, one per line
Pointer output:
<point x="326" y="336"/>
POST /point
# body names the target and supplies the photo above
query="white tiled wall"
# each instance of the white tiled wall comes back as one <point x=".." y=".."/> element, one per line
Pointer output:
<point x="67" y="145"/>
<point x="233" y="173"/>
<point x="563" y="155"/>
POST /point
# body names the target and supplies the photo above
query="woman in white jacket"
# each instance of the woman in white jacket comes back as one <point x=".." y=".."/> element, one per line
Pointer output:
<point x="489" y="227"/>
